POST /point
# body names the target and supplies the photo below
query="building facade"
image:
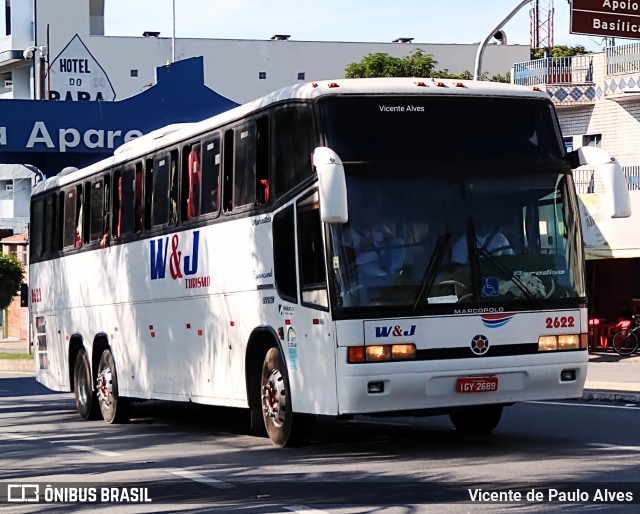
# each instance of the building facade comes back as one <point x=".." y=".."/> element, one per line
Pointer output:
<point x="597" y="97"/>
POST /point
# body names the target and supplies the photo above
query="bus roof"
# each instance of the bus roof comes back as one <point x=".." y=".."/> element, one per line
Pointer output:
<point x="175" y="133"/>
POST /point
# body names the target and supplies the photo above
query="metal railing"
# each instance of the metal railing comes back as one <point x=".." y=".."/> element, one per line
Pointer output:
<point x="587" y="181"/>
<point x="623" y="59"/>
<point x="554" y="70"/>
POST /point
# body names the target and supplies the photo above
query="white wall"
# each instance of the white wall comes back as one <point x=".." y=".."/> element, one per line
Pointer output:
<point x="232" y="66"/>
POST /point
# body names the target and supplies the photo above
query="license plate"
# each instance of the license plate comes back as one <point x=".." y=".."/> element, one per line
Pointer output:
<point x="476" y="384"/>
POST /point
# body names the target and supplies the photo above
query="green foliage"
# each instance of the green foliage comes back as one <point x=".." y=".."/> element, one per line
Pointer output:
<point x="11" y="274"/>
<point x="559" y="51"/>
<point x="416" y="64"/>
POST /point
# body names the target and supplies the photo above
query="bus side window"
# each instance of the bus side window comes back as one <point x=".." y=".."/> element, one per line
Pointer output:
<point x="126" y="195"/>
<point x="37" y="229"/>
<point x="148" y="192"/>
<point x="294" y="140"/>
<point x="284" y="255"/>
<point x="116" y="202"/>
<point x="227" y="187"/>
<point x="60" y="226"/>
<point x="96" y="219"/>
<point x="69" y="233"/>
<point x="49" y="227"/>
<point x="313" y="278"/>
<point x="160" y="195"/>
<point x="139" y="199"/>
<point x="82" y="214"/>
<point x="191" y="178"/>
<point x="174" y="158"/>
<point x="262" y="161"/>
<point x="244" y="165"/>
<point x="210" y="176"/>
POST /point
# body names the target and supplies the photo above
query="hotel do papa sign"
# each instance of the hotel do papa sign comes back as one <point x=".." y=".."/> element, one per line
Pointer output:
<point x="607" y="18"/>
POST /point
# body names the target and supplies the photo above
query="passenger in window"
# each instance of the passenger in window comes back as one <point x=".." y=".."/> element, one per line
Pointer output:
<point x="78" y="238"/>
<point x="106" y="239"/>
<point x="489" y="238"/>
<point x="378" y="251"/>
<point x="194" y="179"/>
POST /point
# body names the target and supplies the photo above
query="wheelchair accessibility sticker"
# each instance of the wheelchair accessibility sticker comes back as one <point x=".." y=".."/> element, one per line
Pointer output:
<point x="490" y="286"/>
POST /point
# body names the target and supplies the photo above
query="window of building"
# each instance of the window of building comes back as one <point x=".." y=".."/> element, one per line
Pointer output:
<point x="592" y="140"/>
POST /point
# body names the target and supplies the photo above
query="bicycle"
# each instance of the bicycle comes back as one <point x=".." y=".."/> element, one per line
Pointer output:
<point x="625" y="341"/>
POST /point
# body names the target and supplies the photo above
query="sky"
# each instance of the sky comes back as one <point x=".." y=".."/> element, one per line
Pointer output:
<point x="427" y="21"/>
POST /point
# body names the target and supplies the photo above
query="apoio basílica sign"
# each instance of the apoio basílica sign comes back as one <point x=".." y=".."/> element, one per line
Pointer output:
<point x="608" y="18"/>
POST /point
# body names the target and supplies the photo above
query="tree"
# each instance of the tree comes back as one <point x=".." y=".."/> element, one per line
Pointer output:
<point x="416" y="64"/>
<point x="559" y="51"/>
<point x="11" y="274"/>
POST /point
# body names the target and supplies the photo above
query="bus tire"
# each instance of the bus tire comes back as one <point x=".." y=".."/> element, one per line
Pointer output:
<point x="114" y="408"/>
<point x="85" y="396"/>
<point x="279" y="419"/>
<point x="479" y="419"/>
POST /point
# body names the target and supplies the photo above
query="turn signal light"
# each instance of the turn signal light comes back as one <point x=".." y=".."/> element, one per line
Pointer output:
<point x="381" y="353"/>
<point x="562" y="342"/>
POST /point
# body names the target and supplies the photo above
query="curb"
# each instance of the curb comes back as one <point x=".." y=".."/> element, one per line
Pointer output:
<point x="17" y="365"/>
<point x="611" y="396"/>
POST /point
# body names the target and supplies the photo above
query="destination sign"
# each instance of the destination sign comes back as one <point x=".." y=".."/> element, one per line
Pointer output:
<point x="607" y="18"/>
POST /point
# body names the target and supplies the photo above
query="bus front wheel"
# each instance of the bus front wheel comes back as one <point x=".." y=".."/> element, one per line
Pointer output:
<point x="478" y="419"/>
<point x="279" y="420"/>
<point x="114" y="408"/>
<point x="85" y="396"/>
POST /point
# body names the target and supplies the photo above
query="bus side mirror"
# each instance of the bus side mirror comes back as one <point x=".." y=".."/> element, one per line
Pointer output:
<point x="24" y="295"/>
<point x="332" y="186"/>
<point x="609" y="170"/>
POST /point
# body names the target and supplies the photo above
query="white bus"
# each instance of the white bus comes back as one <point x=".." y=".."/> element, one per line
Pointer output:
<point x="373" y="246"/>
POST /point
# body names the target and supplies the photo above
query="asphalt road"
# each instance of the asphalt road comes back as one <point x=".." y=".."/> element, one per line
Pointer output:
<point x="203" y="459"/>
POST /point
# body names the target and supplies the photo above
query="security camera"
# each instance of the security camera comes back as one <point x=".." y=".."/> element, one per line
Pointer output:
<point x="29" y="53"/>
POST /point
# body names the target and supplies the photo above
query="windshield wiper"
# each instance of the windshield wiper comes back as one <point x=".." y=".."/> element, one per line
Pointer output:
<point x="432" y="269"/>
<point x="510" y="275"/>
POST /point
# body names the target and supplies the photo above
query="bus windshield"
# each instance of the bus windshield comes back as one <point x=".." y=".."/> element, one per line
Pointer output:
<point x="482" y="224"/>
<point x="470" y="132"/>
<point x="415" y="241"/>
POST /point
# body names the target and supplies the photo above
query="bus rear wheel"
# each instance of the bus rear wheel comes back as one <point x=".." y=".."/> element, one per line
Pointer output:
<point x="279" y="419"/>
<point x="85" y="396"/>
<point x="478" y="419"/>
<point x="114" y="408"/>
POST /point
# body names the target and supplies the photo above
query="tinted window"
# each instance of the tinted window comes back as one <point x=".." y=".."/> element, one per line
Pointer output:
<point x="477" y="131"/>
<point x="211" y="176"/>
<point x="294" y="142"/>
<point x="284" y="254"/>
<point x="160" y="200"/>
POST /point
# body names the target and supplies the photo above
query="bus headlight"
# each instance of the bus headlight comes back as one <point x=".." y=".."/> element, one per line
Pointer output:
<point x="562" y="342"/>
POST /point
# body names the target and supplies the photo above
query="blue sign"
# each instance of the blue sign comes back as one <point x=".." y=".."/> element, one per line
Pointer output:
<point x="54" y="132"/>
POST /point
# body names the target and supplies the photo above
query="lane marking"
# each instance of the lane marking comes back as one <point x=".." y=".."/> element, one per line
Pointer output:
<point x="104" y="453"/>
<point x="197" y="477"/>
<point x="302" y="509"/>
<point x="602" y="446"/>
<point x="16" y="436"/>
